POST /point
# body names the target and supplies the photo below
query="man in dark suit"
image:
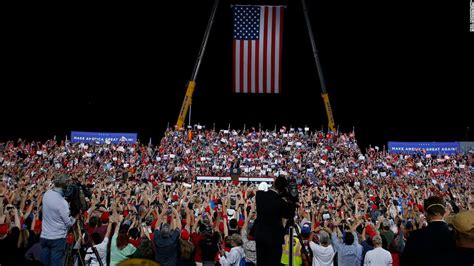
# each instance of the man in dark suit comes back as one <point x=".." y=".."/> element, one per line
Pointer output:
<point x="269" y="230"/>
<point x="431" y="245"/>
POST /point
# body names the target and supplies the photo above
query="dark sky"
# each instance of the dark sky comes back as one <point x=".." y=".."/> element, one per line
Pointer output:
<point x="396" y="70"/>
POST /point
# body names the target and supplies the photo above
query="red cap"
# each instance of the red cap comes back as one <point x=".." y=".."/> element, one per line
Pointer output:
<point x="184" y="234"/>
<point x="104" y="218"/>
<point x="175" y="198"/>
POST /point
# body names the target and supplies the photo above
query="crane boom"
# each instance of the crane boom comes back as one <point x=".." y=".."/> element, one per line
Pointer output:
<point x="324" y="94"/>
<point x="188" y="97"/>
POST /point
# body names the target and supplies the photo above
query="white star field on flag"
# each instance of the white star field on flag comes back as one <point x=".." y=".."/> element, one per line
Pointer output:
<point x="246" y="22"/>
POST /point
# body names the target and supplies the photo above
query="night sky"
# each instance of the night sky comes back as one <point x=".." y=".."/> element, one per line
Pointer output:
<point x="395" y="70"/>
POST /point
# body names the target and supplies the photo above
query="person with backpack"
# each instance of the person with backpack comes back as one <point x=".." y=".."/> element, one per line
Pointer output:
<point x="236" y="256"/>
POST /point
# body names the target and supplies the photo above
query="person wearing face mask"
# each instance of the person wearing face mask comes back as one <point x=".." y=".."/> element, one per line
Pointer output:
<point x="432" y="244"/>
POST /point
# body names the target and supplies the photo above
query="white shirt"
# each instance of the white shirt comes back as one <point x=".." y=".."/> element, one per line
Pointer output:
<point x="322" y="256"/>
<point x="233" y="257"/>
<point x="101" y="249"/>
<point x="378" y="256"/>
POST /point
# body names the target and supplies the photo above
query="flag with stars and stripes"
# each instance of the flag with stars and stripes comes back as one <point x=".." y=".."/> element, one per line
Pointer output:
<point x="257" y="46"/>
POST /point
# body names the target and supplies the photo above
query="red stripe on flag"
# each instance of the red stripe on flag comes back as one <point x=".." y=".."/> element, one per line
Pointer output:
<point x="233" y="62"/>
<point x="265" y="26"/>
<point x="281" y="45"/>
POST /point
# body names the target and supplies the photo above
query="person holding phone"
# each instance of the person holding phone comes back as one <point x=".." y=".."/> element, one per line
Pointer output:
<point x="166" y="240"/>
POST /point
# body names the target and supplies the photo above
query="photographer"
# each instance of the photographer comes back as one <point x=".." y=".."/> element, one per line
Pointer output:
<point x="269" y="230"/>
<point x="56" y="222"/>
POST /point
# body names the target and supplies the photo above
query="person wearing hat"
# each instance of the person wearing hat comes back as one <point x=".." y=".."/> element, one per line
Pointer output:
<point x="430" y="245"/>
<point x="269" y="230"/>
<point x="463" y="226"/>
<point x="56" y="222"/>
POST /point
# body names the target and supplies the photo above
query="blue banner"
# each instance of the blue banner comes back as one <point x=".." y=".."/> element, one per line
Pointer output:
<point x="102" y="137"/>
<point x="428" y="147"/>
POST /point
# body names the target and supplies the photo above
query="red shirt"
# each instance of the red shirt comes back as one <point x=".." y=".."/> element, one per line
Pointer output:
<point x="195" y="238"/>
<point x="134" y="242"/>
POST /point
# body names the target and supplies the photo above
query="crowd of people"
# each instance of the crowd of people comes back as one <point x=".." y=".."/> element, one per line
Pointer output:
<point x="354" y="207"/>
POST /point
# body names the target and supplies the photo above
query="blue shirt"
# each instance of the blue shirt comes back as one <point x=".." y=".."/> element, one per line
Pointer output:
<point x="56" y="219"/>
<point x="347" y="255"/>
<point x="166" y="247"/>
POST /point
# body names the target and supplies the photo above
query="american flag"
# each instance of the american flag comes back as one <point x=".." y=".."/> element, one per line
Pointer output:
<point x="258" y="32"/>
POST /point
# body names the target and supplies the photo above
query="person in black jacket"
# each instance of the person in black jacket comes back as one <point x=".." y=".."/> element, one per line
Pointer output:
<point x="269" y="230"/>
<point x="431" y="245"/>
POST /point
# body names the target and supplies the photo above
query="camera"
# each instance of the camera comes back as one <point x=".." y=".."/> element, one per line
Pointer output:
<point x="293" y="191"/>
<point x="75" y="193"/>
